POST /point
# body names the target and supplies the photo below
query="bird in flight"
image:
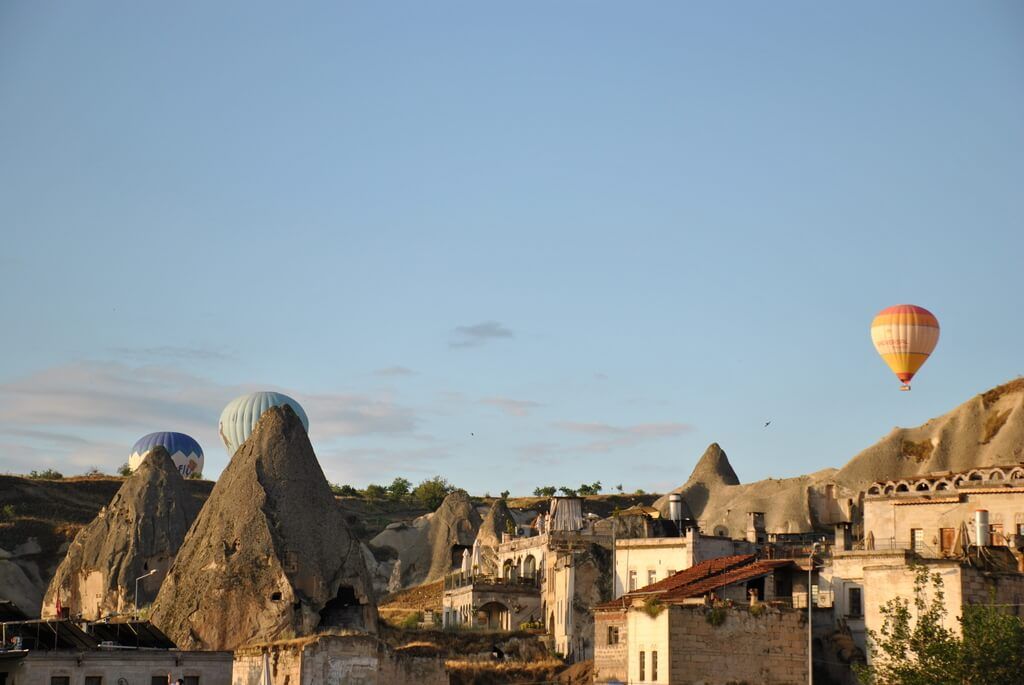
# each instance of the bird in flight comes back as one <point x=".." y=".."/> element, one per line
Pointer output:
<point x="767" y="423"/>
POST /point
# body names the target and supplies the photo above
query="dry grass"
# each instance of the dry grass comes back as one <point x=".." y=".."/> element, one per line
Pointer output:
<point x="918" y="451"/>
<point x="420" y="598"/>
<point x="468" y="672"/>
<point x="993" y="423"/>
<point x="989" y="398"/>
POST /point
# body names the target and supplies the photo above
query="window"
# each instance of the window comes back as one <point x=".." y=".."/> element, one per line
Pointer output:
<point x="995" y="532"/>
<point x="671" y="572"/>
<point x="654" y="665"/>
<point x="854" y="606"/>
<point x="613" y="635"/>
<point x="917" y="539"/>
<point x="93" y="680"/>
<point x="158" y="680"/>
<point x="642" y="655"/>
<point x="632" y="580"/>
<point x="60" y="680"/>
<point x="651" y="577"/>
<point x="191" y="680"/>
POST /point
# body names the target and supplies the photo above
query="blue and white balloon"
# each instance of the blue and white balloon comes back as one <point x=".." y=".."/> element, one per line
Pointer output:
<point x="238" y="420"/>
<point x="185" y="452"/>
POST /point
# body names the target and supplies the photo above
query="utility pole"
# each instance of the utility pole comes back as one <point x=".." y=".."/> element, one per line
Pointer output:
<point x="145" y="575"/>
<point x="810" y="617"/>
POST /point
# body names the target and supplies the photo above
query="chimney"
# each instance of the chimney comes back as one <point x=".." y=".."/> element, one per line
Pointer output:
<point x="755" y="527"/>
<point x="981" y="532"/>
<point x="843" y="542"/>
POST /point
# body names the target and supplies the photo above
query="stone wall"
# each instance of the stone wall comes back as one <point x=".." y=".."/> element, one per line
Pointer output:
<point x="610" y="660"/>
<point x="986" y="588"/>
<point x="336" y="660"/>
<point x="133" y="666"/>
<point x="768" y="649"/>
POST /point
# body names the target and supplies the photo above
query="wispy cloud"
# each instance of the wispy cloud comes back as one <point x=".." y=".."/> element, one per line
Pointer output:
<point x="608" y="436"/>
<point x="479" y="334"/>
<point x="394" y="371"/>
<point x="362" y="465"/>
<point x="510" y="406"/>
<point x="173" y="353"/>
<point x="90" y="412"/>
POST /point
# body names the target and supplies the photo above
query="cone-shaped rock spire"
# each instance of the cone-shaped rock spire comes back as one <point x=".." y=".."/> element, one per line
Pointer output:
<point x="269" y="556"/>
<point x="138" y="533"/>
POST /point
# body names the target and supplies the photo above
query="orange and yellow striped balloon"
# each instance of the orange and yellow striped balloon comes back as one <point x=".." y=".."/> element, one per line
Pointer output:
<point x="905" y="335"/>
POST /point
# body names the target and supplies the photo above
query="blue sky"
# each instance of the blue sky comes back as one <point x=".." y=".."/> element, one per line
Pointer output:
<point x="517" y="245"/>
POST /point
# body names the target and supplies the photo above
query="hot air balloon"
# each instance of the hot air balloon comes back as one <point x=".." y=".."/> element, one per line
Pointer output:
<point x="185" y="452"/>
<point x="905" y="335"/>
<point x="239" y="418"/>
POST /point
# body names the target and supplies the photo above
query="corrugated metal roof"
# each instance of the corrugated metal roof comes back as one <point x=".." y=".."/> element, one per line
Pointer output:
<point x="694" y="574"/>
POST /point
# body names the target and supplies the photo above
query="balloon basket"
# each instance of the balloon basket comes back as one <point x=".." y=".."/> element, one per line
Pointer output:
<point x="905" y="388"/>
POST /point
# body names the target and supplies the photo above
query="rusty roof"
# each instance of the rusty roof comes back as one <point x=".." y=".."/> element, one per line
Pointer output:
<point x="730" y="577"/>
<point x="695" y="574"/>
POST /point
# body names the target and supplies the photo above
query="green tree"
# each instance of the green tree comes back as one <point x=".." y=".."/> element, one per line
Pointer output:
<point x="124" y="470"/>
<point x="374" y="491"/>
<point x="590" y="489"/>
<point x="505" y="494"/>
<point x="345" y="490"/>
<point x="546" y="491"/>
<point x="399" y="488"/>
<point x="567" y="492"/>
<point x="432" y="491"/>
<point x="989" y="650"/>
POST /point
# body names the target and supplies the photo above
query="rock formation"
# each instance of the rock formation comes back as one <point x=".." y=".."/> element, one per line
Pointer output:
<point x="716" y="499"/>
<point x="433" y="544"/>
<point x="269" y="556"/>
<point x="495" y="523"/>
<point x="987" y="430"/>
<point x="138" y="533"/>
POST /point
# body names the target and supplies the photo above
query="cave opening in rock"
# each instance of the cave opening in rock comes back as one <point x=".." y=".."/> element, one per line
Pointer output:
<point x="344" y="611"/>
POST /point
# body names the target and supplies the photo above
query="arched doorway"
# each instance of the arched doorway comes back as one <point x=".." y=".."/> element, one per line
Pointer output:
<point x="493" y="616"/>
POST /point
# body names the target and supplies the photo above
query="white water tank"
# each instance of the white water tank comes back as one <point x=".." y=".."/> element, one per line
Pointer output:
<point x="675" y="508"/>
<point x="981" y="532"/>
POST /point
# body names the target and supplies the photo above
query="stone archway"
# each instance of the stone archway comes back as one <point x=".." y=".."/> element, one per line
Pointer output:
<point x="494" y="616"/>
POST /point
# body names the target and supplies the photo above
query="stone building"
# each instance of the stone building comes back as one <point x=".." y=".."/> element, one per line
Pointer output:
<point x="358" y="659"/>
<point x="966" y="526"/>
<point x="723" y="620"/>
<point x="649" y="547"/>
<point x="550" y="578"/>
<point x="63" y="652"/>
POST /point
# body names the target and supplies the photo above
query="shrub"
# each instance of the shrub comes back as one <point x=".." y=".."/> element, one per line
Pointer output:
<point x="93" y="472"/>
<point x="7" y="512"/>
<point x="48" y="474"/>
<point x="124" y="470"/>
<point x="546" y="491"/>
<point x="344" y="490"/>
<point x="652" y="607"/>
<point x="716" y="616"/>
<point x="412" y="620"/>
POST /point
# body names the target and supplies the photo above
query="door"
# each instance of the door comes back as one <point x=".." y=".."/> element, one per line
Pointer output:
<point x="947" y="537"/>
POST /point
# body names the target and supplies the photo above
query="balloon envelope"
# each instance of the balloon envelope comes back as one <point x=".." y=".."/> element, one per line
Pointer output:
<point x="185" y="452"/>
<point x="905" y="336"/>
<point x="238" y="420"/>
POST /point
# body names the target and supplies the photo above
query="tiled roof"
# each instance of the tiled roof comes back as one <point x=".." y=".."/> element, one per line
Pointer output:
<point x="730" y="577"/>
<point x="695" y="574"/>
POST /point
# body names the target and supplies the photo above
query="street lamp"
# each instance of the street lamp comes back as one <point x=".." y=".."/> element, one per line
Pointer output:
<point x="810" y="617"/>
<point x="144" y="575"/>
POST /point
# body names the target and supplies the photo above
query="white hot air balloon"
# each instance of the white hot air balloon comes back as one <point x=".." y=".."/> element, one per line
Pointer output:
<point x="238" y="420"/>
